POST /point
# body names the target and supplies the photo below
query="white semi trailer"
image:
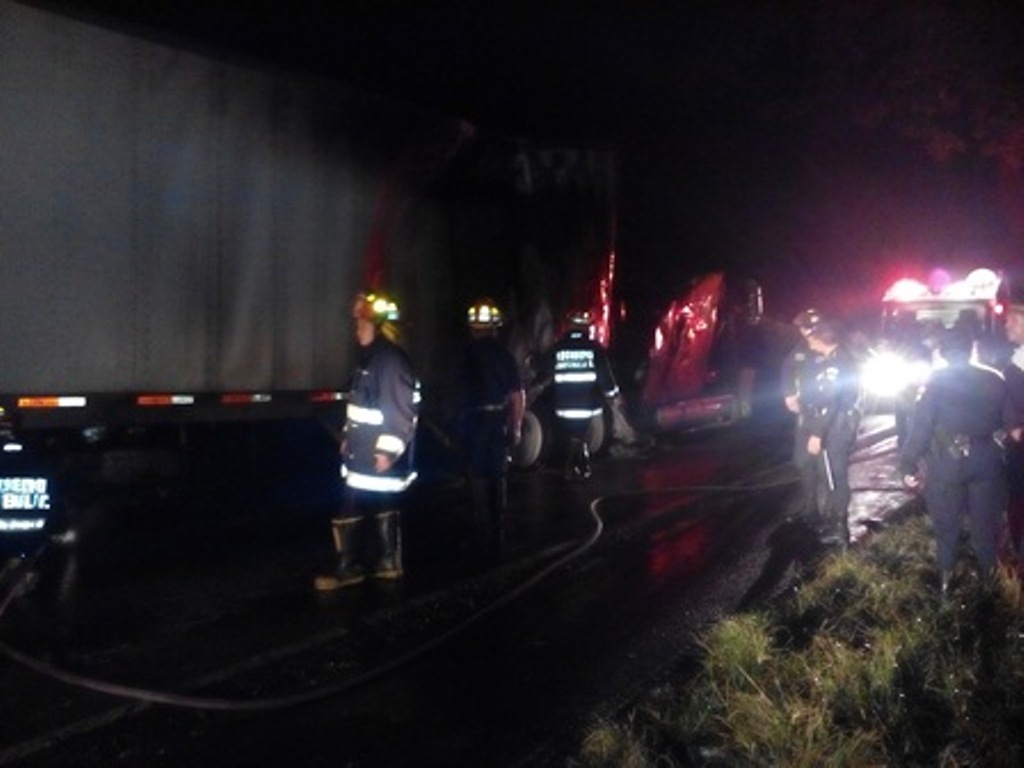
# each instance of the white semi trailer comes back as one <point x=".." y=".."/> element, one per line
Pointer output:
<point x="182" y="232"/>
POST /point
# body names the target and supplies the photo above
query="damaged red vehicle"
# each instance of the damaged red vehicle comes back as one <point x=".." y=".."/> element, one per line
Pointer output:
<point x="704" y="362"/>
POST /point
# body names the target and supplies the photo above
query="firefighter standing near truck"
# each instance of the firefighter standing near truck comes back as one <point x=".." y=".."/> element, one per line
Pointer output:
<point x="583" y="382"/>
<point x="830" y="401"/>
<point x="491" y="407"/>
<point x="957" y="429"/>
<point x="376" y="450"/>
<point x="797" y="376"/>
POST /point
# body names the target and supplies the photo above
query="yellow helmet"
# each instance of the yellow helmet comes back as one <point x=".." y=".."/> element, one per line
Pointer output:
<point x="376" y="307"/>
<point x="484" y="314"/>
<point x="578" y="319"/>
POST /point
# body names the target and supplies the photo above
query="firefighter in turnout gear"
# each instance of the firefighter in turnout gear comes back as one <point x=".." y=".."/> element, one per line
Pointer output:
<point x="797" y="377"/>
<point x="832" y="419"/>
<point x="491" y="406"/>
<point x="957" y="429"/>
<point x="376" y="450"/>
<point x="583" y="381"/>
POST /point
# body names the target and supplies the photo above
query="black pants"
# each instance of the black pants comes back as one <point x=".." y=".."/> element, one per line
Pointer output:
<point x="809" y="506"/>
<point x="484" y="440"/>
<point x="974" y="487"/>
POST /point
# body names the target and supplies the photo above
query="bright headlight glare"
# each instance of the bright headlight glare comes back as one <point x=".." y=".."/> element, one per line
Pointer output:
<point x="886" y="374"/>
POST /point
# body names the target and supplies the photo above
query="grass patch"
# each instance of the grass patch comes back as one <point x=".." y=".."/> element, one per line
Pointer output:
<point x="863" y="664"/>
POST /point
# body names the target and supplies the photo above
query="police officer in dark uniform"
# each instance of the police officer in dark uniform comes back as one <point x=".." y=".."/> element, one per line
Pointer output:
<point x="1013" y="302"/>
<point x="583" y="381"/>
<point x="491" y="406"/>
<point x="377" y="465"/>
<point x="956" y="428"/>
<point x="797" y="375"/>
<point x="830" y="400"/>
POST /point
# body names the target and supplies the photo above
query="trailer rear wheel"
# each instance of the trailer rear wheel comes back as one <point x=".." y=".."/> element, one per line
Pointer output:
<point x="533" y="443"/>
<point x="599" y="433"/>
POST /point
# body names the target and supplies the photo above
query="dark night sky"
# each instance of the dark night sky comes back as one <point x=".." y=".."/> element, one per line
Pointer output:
<point x="819" y="146"/>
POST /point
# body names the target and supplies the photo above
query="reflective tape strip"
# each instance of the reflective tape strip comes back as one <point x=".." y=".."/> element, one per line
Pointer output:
<point x="390" y="444"/>
<point x="245" y="398"/>
<point x="159" y="400"/>
<point x="587" y="376"/>
<point x="576" y="413"/>
<point x="58" y="401"/>
<point x="326" y="397"/>
<point x="376" y="483"/>
<point x="360" y="415"/>
<point x="612" y="392"/>
<point x="13" y="447"/>
<point x="19" y="524"/>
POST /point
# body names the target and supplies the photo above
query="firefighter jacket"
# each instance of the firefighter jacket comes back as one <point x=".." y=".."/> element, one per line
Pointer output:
<point x="831" y="393"/>
<point x="488" y="376"/>
<point x="960" y="409"/>
<point x="583" y="377"/>
<point x="381" y="409"/>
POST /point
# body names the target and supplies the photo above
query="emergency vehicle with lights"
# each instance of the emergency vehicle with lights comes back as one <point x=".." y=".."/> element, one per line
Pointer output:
<point x="913" y="312"/>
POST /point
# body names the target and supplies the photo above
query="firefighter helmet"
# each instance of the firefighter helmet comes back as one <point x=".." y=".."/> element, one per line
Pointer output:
<point x="376" y="307"/>
<point x="578" y="319"/>
<point x="484" y="314"/>
<point x="381" y="311"/>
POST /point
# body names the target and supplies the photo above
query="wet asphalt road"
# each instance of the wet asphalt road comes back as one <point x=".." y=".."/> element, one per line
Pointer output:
<point x="225" y="655"/>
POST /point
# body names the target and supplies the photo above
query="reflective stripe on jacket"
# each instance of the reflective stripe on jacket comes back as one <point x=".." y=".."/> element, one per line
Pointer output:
<point x="583" y="377"/>
<point x="381" y="414"/>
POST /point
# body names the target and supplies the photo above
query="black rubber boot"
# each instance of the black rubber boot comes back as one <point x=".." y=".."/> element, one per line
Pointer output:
<point x="349" y="570"/>
<point x="584" y="460"/>
<point x="389" y="534"/>
<point x="578" y="464"/>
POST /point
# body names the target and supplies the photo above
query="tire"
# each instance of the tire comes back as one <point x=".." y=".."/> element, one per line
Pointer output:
<point x="533" y="443"/>
<point x="600" y="432"/>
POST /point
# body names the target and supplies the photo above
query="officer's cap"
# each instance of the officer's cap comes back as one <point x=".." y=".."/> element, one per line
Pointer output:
<point x="955" y="343"/>
<point x="824" y="330"/>
<point x="808" y="319"/>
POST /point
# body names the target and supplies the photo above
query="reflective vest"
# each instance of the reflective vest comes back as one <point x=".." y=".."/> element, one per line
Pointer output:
<point x="583" y="377"/>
